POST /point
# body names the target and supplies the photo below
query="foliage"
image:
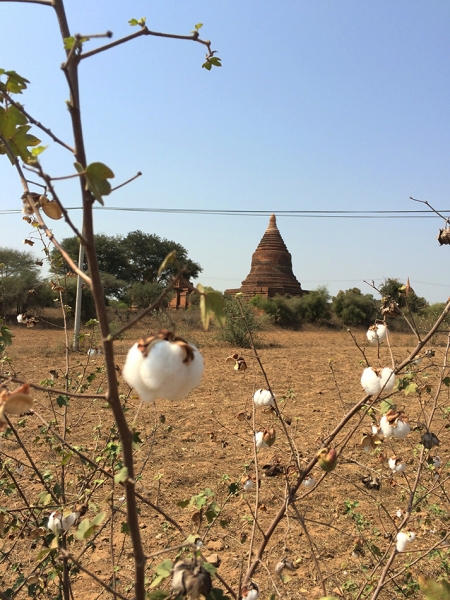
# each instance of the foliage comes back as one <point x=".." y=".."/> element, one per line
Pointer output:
<point x="142" y="295"/>
<point x="315" y="306"/>
<point x="236" y="332"/>
<point x="20" y="285"/>
<point x="281" y="308"/>
<point x="354" y="307"/>
<point x="405" y="298"/>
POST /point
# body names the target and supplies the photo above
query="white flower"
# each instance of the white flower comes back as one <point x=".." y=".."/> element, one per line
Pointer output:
<point x="309" y="482"/>
<point x="376" y="333"/>
<point x="370" y="381"/>
<point x="260" y="443"/>
<point x="387" y="380"/>
<point x="402" y="429"/>
<point x="163" y="367"/>
<point x="263" y="398"/>
<point x="54" y="522"/>
<point x="386" y="427"/>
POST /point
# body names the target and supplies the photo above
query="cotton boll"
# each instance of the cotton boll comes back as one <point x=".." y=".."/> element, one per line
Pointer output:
<point x="309" y="482"/>
<point x="387" y="380"/>
<point x="263" y="398"/>
<point x="370" y="381"/>
<point x="402" y="429"/>
<point x="392" y="463"/>
<point x="411" y="536"/>
<point x="386" y="428"/>
<point x="375" y="429"/>
<point x="67" y="522"/>
<point x="402" y="540"/>
<point x="54" y="522"/>
<point x="132" y="375"/>
<point x="436" y="462"/>
<point x="260" y="443"/>
<point x="396" y="465"/>
<point x="248" y="485"/>
<point x="377" y="333"/>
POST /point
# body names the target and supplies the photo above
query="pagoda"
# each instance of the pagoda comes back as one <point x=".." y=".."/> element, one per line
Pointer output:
<point x="271" y="269"/>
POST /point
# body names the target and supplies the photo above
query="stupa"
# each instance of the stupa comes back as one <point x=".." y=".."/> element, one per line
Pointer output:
<point x="271" y="269"/>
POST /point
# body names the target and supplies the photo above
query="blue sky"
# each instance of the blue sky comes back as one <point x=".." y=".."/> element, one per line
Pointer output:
<point x="318" y="106"/>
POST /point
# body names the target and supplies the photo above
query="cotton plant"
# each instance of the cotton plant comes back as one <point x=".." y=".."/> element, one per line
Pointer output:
<point x="163" y="366"/>
<point x="376" y="380"/>
<point x="395" y="424"/>
<point x="264" y="398"/>
<point x="377" y="333"/>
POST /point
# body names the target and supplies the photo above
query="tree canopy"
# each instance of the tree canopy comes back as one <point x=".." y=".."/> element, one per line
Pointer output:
<point x="126" y="261"/>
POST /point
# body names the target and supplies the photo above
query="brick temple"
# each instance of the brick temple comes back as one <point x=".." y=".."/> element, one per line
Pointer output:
<point x="271" y="269"/>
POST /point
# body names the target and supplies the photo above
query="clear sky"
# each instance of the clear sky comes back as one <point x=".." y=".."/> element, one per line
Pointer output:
<point x="319" y="105"/>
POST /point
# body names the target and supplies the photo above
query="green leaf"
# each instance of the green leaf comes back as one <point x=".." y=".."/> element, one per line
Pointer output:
<point x="121" y="476"/>
<point x="446" y="381"/>
<point x="410" y="389"/>
<point x="62" y="401"/>
<point x="433" y="590"/>
<point x="217" y="594"/>
<point x="82" y="532"/>
<point x="385" y="406"/>
<point x="10" y="118"/>
<point x="15" y="82"/>
<point x="210" y="568"/>
<point x="164" y="568"/>
<point x="6" y="335"/>
<point x="133" y="22"/>
<point x="183" y="503"/>
<point x="198" y="26"/>
<point x="212" y="306"/>
<point x="170" y="258"/>
<point x="97" y="175"/>
<point x="43" y="553"/>
<point x="38" y="150"/>
<point x="156" y="595"/>
<point x="98" y="518"/>
<point x="207" y="65"/>
<point x="125" y="528"/>
<point x="19" y="143"/>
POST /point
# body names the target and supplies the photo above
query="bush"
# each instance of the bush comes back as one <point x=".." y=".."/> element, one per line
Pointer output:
<point x="315" y="306"/>
<point x="236" y="330"/>
<point x="355" y="308"/>
<point x="142" y="295"/>
<point x="282" y="309"/>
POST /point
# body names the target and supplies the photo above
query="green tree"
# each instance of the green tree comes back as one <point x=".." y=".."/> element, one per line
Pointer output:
<point x="20" y="285"/>
<point x="315" y="306"/>
<point x="404" y="296"/>
<point x="355" y="308"/>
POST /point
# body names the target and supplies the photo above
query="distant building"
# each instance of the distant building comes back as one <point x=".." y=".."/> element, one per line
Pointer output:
<point x="271" y="269"/>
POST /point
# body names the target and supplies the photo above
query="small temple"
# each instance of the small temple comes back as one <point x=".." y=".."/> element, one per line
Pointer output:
<point x="271" y="269"/>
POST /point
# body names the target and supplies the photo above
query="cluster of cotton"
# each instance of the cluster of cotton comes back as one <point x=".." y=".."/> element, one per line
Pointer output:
<point x="396" y="465"/>
<point x="265" y="439"/>
<point x="15" y="403"/>
<point x="163" y="366"/>
<point x="58" y="521"/>
<point x="403" y="539"/>
<point x="377" y="380"/>
<point x="377" y="333"/>
<point x="394" y="424"/>
<point x="263" y="398"/>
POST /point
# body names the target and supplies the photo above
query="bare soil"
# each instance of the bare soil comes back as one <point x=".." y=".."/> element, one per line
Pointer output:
<point x="200" y="442"/>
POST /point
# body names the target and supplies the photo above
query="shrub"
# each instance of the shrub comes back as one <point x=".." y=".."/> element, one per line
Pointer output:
<point x="237" y="327"/>
<point x="355" y="308"/>
<point x="315" y="306"/>
<point x="282" y="309"/>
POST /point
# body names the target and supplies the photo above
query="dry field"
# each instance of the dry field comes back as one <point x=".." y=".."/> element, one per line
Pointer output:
<point x="341" y="530"/>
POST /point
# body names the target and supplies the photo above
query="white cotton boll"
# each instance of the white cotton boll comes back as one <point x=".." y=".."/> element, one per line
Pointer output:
<point x="386" y="428"/>
<point x="309" y="482"/>
<point x="263" y="398"/>
<point x="370" y="381"/>
<point x="251" y="595"/>
<point x="402" y="540"/>
<point x="21" y="319"/>
<point x="165" y="374"/>
<point x="402" y="429"/>
<point x="411" y="536"/>
<point x="67" y="522"/>
<point x="399" y="513"/>
<point x="377" y="333"/>
<point x="54" y="522"/>
<point x="260" y="443"/>
<point x="248" y="485"/>
<point x="392" y="463"/>
<point x="387" y="380"/>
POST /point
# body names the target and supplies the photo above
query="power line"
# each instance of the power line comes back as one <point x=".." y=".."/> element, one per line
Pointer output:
<point x="327" y="214"/>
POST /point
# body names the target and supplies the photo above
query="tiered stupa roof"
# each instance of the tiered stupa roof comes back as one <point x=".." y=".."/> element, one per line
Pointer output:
<point x="271" y="269"/>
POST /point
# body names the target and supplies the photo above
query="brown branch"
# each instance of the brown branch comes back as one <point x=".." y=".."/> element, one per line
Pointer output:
<point x="52" y="390"/>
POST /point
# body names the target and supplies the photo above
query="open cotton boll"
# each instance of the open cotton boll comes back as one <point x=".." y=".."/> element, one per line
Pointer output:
<point x="402" y="429"/>
<point x="387" y="380"/>
<point x="370" y="381"/>
<point x="54" y="522"/>
<point x="263" y="398"/>
<point x="163" y="367"/>
<point x="376" y="333"/>
<point x="259" y="438"/>
<point x="402" y="540"/>
<point x="309" y="482"/>
<point x="386" y="427"/>
<point x="69" y="520"/>
<point x="396" y="464"/>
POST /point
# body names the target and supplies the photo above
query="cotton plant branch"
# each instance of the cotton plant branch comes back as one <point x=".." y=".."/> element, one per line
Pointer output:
<point x="51" y="390"/>
<point x="194" y="36"/>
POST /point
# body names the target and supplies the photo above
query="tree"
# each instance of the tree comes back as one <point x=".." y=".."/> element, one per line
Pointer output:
<point x="354" y="307"/>
<point x="20" y="285"/>
<point x="403" y="294"/>
<point x="315" y="306"/>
